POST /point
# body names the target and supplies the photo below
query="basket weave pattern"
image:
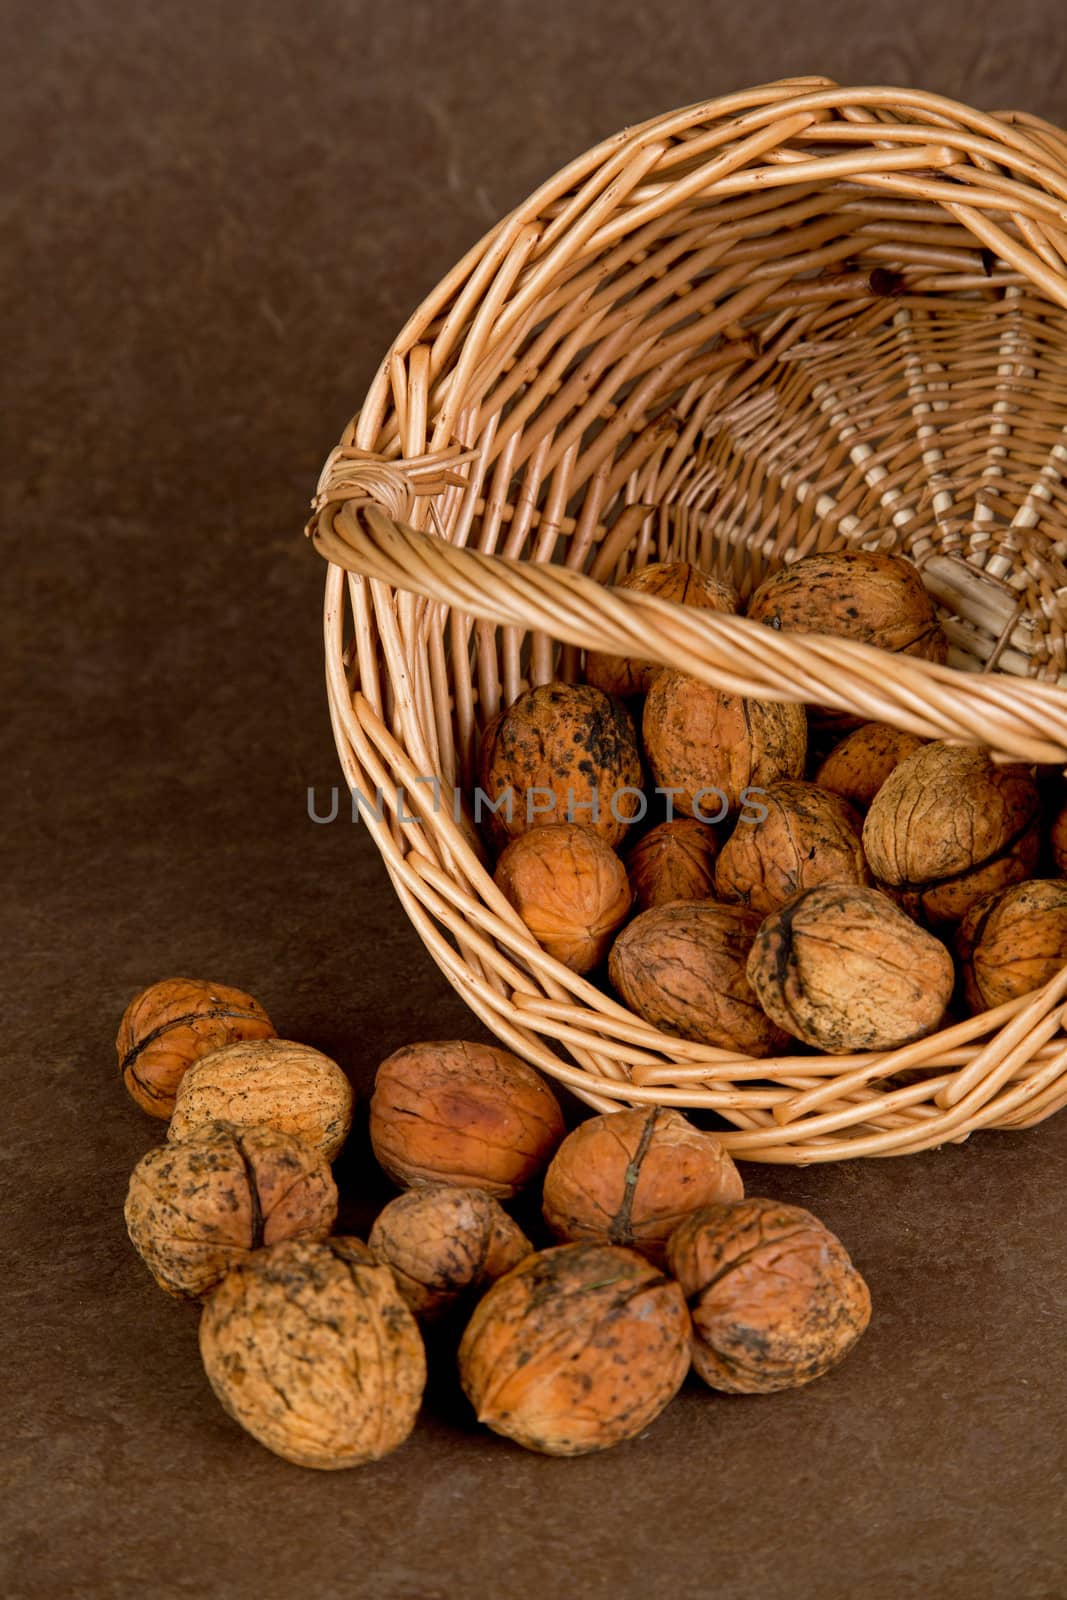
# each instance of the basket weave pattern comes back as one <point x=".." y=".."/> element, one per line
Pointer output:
<point x="797" y="319"/>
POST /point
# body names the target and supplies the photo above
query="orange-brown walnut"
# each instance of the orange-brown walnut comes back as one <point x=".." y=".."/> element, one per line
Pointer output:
<point x="857" y="767"/>
<point x="774" y="1297"/>
<point x="673" y="861"/>
<point x="845" y="969"/>
<point x="805" y="836"/>
<point x="310" y="1348"/>
<point x="681" y="967"/>
<point x="173" y="1023"/>
<point x="564" y="752"/>
<point x="459" y="1113"/>
<point x="629" y="1177"/>
<point x="679" y="581"/>
<point x="443" y="1243"/>
<point x="196" y="1209"/>
<point x="570" y="889"/>
<point x="577" y="1349"/>
<point x="267" y="1083"/>
<point x="708" y="747"/>
<point x="1013" y="942"/>
<point x="948" y="827"/>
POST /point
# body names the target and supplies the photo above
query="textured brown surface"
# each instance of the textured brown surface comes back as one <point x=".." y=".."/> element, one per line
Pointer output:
<point x="216" y="219"/>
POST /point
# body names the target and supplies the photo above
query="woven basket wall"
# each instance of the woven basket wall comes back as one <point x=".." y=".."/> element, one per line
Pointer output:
<point x="799" y="318"/>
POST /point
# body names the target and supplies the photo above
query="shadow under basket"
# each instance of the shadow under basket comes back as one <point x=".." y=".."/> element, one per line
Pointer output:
<point x="800" y="318"/>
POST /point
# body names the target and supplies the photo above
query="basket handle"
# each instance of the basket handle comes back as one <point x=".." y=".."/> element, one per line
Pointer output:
<point x="358" y="524"/>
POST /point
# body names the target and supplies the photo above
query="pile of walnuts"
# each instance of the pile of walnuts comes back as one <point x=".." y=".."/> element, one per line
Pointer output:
<point x="751" y="875"/>
<point x="652" y="1259"/>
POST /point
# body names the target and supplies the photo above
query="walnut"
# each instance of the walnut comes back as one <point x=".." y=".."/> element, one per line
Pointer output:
<point x="466" y="1114"/>
<point x="682" y="968"/>
<point x="806" y="836"/>
<point x="193" y="1210"/>
<point x="563" y="752"/>
<point x="569" y="888"/>
<point x="668" y="580"/>
<point x="267" y="1083"/>
<point x="311" y="1349"/>
<point x="774" y="1297"/>
<point x="169" y="1025"/>
<point x="628" y="1177"/>
<point x="1012" y="942"/>
<point x="845" y="969"/>
<point x="674" y="861"/>
<point x="577" y="1349"/>
<point x="948" y="826"/>
<point x="857" y="767"/>
<point x="443" y="1243"/>
<point x="708" y="747"/>
<point x="1058" y="841"/>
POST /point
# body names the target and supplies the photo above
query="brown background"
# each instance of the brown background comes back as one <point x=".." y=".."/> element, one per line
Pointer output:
<point x="218" y="215"/>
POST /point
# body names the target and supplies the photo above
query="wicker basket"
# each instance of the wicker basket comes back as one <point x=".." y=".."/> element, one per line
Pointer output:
<point x="798" y="318"/>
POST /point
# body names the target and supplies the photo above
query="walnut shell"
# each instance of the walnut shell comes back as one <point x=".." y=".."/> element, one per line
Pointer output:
<point x="948" y="827"/>
<point x="271" y="1083"/>
<point x="311" y="1349"/>
<point x="194" y="1210"/>
<point x="774" y="1297"/>
<point x="857" y="767"/>
<point x="681" y="967"/>
<point x="845" y="969"/>
<point x="564" y="752"/>
<point x="679" y="581"/>
<point x="171" y="1024"/>
<point x="466" y="1114"/>
<point x="442" y="1243"/>
<point x="806" y="836"/>
<point x="1012" y="942"/>
<point x="628" y="1177"/>
<point x="569" y="888"/>
<point x="577" y="1349"/>
<point x="1058" y="841"/>
<point x="673" y="861"/>
<point x="707" y="747"/>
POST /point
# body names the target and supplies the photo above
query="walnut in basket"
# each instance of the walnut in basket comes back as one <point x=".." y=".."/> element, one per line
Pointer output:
<point x="845" y="969"/>
<point x="948" y="826"/>
<point x="708" y="747"/>
<point x="679" y="581"/>
<point x="267" y="1082"/>
<point x="673" y="861"/>
<point x="1012" y="942"/>
<point x="681" y="967"/>
<point x="1058" y="841"/>
<point x="805" y="836"/>
<point x="569" y="888"/>
<point x="857" y="767"/>
<point x="311" y="1349"/>
<point x="629" y="1177"/>
<point x="173" y="1023"/>
<point x="442" y="1243"/>
<point x="564" y="752"/>
<point x="577" y="1349"/>
<point x="774" y="1297"/>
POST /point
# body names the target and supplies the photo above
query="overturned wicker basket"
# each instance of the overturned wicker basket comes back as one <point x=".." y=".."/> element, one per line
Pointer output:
<point x="798" y="318"/>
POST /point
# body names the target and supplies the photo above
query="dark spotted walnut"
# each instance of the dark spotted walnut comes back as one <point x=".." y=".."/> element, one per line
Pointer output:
<point x="577" y="1349"/>
<point x="570" y="889"/>
<point x="857" y="767"/>
<point x="674" y="861"/>
<point x="774" y="1297"/>
<point x="1013" y="942"/>
<point x="443" y="1243"/>
<point x="845" y="969"/>
<point x="948" y="827"/>
<point x="805" y="836"/>
<point x="173" y="1023"/>
<point x="679" y="581"/>
<point x="195" y="1209"/>
<point x="311" y="1349"/>
<point x="629" y="1177"/>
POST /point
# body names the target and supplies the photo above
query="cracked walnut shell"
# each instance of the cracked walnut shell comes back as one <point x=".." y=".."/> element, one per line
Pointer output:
<point x="442" y="1242"/>
<point x="806" y="836"/>
<point x="629" y="1177"/>
<point x="173" y="1023"/>
<point x="311" y="1349"/>
<point x="673" y="861"/>
<point x="569" y="888"/>
<point x="774" y="1297"/>
<point x="577" y="1349"/>
<point x="267" y="1083"/>
<point x="679" y="581"/>
<point x="1013" y="942"/>
<point x="193" y="1210"/>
